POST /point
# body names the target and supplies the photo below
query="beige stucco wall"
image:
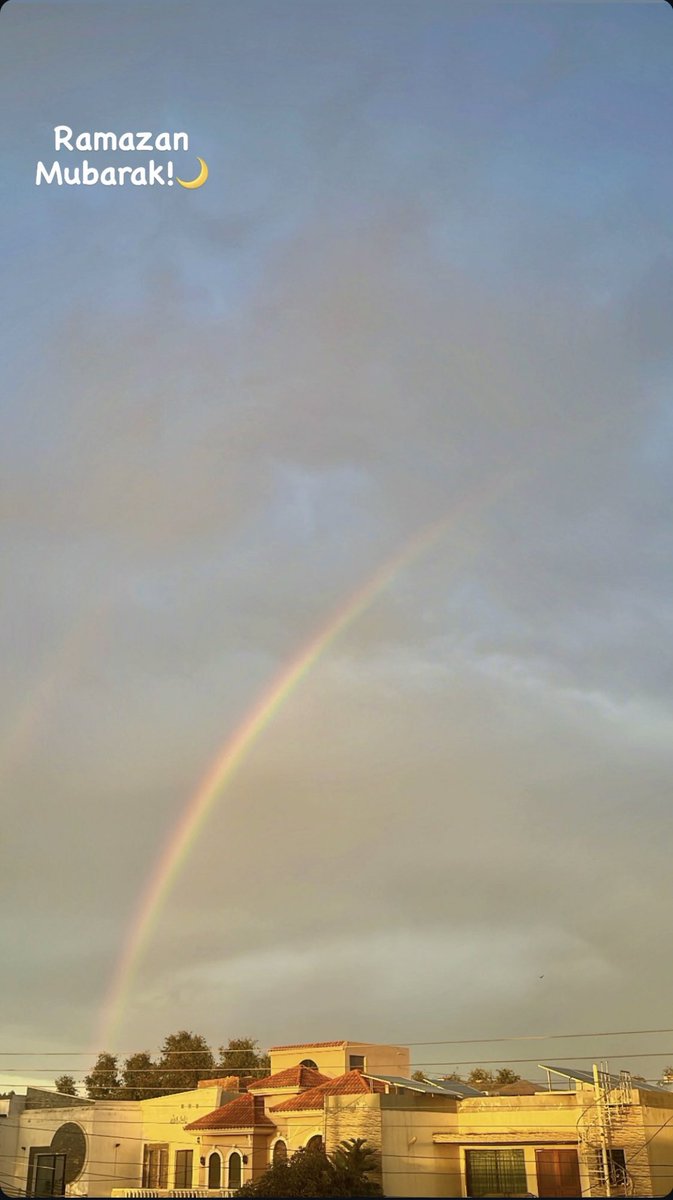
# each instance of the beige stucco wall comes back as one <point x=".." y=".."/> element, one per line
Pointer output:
<point x="334" y="1060"/>
<point x="164" y="1120"/>
<point x="113" y="1133"/>
<point x="413" y="1165"/>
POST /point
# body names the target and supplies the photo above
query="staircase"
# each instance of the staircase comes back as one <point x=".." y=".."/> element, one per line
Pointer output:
<point x="598" y="1130"/>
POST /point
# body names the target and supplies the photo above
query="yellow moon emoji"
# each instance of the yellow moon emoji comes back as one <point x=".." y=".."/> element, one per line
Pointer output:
<point x="200" y="178"/>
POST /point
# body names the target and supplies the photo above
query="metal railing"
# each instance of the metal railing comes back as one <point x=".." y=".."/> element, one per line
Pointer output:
<point x="195" y="1193"/>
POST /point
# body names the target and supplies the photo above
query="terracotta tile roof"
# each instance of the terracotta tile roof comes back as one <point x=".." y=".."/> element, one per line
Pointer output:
<point x="244" y="1112"/>
<point x="345" y="1085"/>
<point x="307" y="1046"/>
<point x="299" y="1077"/>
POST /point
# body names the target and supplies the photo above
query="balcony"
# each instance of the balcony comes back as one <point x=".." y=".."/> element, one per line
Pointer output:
<point x="195" y="1193"/>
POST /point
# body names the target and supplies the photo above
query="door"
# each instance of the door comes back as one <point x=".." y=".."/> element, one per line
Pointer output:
<point x="49" y="1177"/>
<point x="558" y="1173"/>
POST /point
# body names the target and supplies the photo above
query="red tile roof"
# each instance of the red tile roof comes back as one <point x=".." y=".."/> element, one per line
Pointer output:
<point x="299" y="1077"/>
<point x="244" y="1112"/>
<point x="307" y="1046"/>
<point x="345" y="1085"/>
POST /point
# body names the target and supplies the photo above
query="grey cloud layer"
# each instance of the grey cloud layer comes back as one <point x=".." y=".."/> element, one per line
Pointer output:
<point x="471" y="788"/>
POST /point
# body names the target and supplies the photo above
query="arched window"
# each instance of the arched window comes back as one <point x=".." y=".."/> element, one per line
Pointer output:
<point x="234" y="1170"/>
<point x="214" y="1171"/>
<point x="314" y="1143"/>
<point x="308" y="1062"/>
<point x="279" y="1153"/>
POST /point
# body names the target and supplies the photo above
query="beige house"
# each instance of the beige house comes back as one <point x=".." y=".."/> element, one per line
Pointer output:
<point x="592" y="1134"/>
<point x="336" y="1058"/>
<point x="595" y="1135"/>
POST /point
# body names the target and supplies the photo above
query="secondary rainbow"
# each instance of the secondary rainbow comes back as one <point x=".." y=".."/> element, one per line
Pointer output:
<point x="241" y="741"/>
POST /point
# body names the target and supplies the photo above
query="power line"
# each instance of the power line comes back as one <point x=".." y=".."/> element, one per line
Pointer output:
<point x="573" y="1058"/>
<point x="525" y="1037"/>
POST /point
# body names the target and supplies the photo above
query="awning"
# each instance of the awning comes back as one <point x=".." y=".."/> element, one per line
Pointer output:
<point x="508" y="1137"/>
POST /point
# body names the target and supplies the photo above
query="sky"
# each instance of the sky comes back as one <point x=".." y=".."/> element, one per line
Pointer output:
<point x="429" y="277"/>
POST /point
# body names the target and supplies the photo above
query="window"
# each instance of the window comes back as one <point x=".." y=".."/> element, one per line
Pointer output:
<point x="495" y="1172"/>
<point x="279" y="1153"/>
<point x="234" y="1170"/>
<point x="49" y="1175"/>
<point x="616" y="1167"/>
<point x="308" y="1062"/>
<point x="155" y="1166"/>
<point x="356" y="1062"/>
<point x="183" y="1168"/>
<point x="314" y="1143"/>
<point x="214" y="1171"/>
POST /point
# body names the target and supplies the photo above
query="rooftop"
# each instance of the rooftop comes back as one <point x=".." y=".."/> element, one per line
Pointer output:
<point x="352" y="1083"/>
<point x="309" y="1046"/>
<point x="242" y="1113"/>
<point x="299" y="1077"/>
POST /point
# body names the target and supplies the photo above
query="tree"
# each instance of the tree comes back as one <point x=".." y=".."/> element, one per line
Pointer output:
<point x="418" y="1076"/>
<point x="65" y="1084"/>
<point x="666" y="1075"/>
<point x="241" y="1057"/>
<point x="103" y="1082"/>
<point x="312" y="1173"/>
<point x="454" y="1077"/>
<point x="354" y="1162"/>
<point x="141" y="1078"/>
<point x="185" y="1059"/>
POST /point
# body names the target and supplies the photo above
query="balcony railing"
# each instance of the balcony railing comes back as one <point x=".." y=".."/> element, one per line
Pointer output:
<point x="196" y="1193"/>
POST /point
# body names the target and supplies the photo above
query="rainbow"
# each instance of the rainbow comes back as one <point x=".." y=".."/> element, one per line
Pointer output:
<point x="239" y="744"/>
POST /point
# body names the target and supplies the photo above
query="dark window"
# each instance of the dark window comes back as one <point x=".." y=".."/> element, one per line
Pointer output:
<point x="616" y="1167"/>
<point x="279" y="1153"/>
<point x="214" y="1171"/>
<point x="49" y="1175"/>
<point x="183" y="1168"/>
<point x="356" y="1062"/>
<point x="234" y="1170"/>
<point x="70" y="1140"/>
<point x="314" y="1143"/>
<point x="308" y="1062"/>
<point x="155" y="1166"/>
<point x="496" y="1172"/>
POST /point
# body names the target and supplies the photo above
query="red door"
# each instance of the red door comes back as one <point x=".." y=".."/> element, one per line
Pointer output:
<point x="558" y="1173"/>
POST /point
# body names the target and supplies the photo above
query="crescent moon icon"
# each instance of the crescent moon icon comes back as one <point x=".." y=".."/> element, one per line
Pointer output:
<point x="200" y="178"/>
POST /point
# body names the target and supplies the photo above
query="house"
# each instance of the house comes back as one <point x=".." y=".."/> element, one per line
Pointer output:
<point x="594" y="1134"/>
<point x="55" y="1145"/>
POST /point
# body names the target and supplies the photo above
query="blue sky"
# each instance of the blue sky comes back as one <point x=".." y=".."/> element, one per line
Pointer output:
<point x="434" y="251"/>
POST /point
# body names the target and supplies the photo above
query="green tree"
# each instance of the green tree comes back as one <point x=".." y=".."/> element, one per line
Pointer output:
<point x="65" y="1084"/>
<point x="185" y="1059"/>
<point x="311" y="1173"/>
<point x="103" y="1083"/>
<point x="241" y="1057"/>
<point x="354" y="1162"/>
<point x="141" y="1078"/>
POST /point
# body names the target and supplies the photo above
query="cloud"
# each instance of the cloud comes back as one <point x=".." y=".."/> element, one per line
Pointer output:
<point x="221" y="425"/>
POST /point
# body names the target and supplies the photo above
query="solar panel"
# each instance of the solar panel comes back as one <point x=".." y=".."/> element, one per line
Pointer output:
<point x="577" y="1074"/>
<point x="430" y="1087"/>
